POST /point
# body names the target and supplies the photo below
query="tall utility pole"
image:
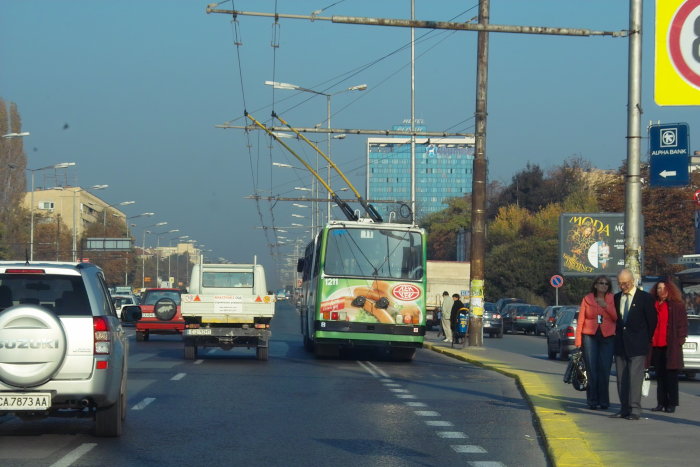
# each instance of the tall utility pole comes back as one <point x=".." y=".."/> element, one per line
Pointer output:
<point x="478" y="246"/>
<point x="633" y="183"/>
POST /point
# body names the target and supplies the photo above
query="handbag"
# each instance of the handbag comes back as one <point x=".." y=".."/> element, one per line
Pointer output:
<point x="575" y="372"/>
<point x="646" y="383"/>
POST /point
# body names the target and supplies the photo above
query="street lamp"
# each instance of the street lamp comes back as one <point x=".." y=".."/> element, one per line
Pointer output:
<point x="16" y="135"/>
<point x="158" y="235"/>
<point x="143" y="251"/>
<point x="143" y="214"/>
<point x="294" y="87"/>
<point x="10" y="165"/>
<point x="75" y="226"/>
<point x="61" y="165"/>
<point x="104" y="211"/>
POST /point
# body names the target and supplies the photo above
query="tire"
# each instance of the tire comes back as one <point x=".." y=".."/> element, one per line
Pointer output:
<point x="141" y="336"/>
<point x="108" y="421"/>
<point x="165" y="309"/>
<point x="500" y="334"/>
<point x="403" y="355"/>
<point x="491" y="334"/>
<point x="190" y="350"/>
<point x="308" y="344"/>
<point x="326" y="350"/>
<point x="262" y="353"/>
<point x="690" y="374"/>
<point x="563" y="355"/>
<point x="550" y="354"/>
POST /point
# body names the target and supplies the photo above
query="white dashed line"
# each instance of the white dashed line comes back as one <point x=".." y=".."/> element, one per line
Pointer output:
<point x="392" y="385"/>
<point x="74" y="455"/>
<point x="377" y="369"/>
<point x="178" y="377"/>
<point x="416" y="404"/>
<point x="452" y="435"/>
<point x="486" y="464"/>
<point x="397" y="390"/>
<point x="405" y="396"/>
<point x="468" y="449"/>
<point x="438" y="423"/>
<point x="427" y="413"/>
<point x="142" y="405"/>
<point x="197" y="362"/>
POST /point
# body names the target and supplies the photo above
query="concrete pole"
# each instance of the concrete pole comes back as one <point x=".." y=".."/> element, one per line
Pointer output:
<point x="31" y="223"/>
<point x="478" y="245"/>
<point x="328" y="195"/>
<point x="413" y="114"/>
<point x="633" y="185"/>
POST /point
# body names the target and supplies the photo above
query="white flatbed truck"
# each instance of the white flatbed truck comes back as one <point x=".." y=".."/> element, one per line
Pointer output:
<point x="227" y="306"/>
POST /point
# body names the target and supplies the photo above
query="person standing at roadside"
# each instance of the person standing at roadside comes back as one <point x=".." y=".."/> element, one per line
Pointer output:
<point x="457" y="305"/>
<point x="595" y="332"/>
<point x="666" y="354"/>
<point x="636" y="321"/>
<point x="446" y="314"/>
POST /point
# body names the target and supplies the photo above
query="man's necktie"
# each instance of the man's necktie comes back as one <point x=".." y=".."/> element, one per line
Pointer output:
<point x="628" y="299"/>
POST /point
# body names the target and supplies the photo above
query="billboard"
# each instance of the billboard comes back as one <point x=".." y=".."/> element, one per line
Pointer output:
<point x="591" y="243"/>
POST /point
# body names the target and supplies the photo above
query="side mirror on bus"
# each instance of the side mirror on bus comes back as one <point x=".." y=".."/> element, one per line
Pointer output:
<point x="300" y="265"/>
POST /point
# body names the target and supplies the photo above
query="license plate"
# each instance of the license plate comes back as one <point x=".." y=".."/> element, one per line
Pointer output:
<point x="148" y="315"/>
<point x="198" y="332"/>
<point x="691" y="346"/>
<point x="25" y="401"/>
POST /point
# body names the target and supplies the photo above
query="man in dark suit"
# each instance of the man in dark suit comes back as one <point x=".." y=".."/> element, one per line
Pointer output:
<point x="636" y="321"/>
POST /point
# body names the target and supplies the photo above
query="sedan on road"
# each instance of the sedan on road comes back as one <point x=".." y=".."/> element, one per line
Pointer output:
<point x="493" y="323"/>
<point x="561" y="335"/>
<point x="691" y="348"/>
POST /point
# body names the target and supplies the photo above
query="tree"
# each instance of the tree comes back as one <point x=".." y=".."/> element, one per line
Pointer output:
<point x="442" y="228"/>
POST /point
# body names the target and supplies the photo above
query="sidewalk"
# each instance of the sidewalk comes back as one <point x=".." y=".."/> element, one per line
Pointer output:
<point x="575" y="435"/>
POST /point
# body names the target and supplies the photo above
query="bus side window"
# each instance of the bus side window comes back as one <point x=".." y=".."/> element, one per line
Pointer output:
<point x="317" y="258"/>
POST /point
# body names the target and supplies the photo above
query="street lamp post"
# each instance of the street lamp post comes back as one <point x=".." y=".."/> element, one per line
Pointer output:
<point x="158" y="235"/>
<point x="143" y="251"/>
<point x="75" y="225"/>
<point x="106" y="208"/>
<point x="294" y="87"/>
<point x="61" y="165"/>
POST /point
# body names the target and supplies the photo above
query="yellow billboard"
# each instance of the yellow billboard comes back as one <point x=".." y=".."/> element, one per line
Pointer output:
<point x="677" y="52"/>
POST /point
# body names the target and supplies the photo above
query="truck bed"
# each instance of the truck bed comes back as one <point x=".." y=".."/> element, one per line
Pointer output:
<point x="227" y="308"/>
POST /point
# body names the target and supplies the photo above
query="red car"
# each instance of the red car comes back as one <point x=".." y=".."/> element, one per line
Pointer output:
<point x="160" y="313"/>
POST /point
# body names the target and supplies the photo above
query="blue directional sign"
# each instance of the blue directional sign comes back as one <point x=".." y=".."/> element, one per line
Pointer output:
<point x="669" y="149"/>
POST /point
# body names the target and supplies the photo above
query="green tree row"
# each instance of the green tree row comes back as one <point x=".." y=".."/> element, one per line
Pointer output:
<point x="523" y="227"/>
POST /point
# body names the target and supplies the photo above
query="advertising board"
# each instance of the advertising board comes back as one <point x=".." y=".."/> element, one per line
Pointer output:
<point x="591" y="243"/>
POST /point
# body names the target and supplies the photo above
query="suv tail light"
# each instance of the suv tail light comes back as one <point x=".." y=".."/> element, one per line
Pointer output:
<point x="101" y="329"/>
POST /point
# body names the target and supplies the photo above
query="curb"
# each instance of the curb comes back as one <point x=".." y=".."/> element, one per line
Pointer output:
<point x="551" y="419"/>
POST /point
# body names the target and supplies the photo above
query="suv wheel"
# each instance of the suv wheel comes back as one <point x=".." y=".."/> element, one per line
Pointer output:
<point x="165" y="309"/>
<point x="141" y="336"/>
<point x="108" y="421"/>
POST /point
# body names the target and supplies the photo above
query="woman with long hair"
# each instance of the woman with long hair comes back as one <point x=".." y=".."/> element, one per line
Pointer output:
<point x="595" y="332"/>
<point x="666" y="353"/>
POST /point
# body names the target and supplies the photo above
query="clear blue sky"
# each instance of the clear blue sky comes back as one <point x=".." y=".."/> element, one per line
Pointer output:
<point x="142" y="84"/>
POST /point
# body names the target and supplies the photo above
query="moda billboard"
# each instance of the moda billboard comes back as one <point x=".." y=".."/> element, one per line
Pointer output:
<point x="591" y="243"/>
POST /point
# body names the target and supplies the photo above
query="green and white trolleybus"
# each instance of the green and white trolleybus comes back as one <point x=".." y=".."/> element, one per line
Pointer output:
<point x="363" y="285"/>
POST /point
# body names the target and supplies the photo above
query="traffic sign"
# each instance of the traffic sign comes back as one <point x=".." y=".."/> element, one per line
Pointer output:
<point x="669" y="149"/>
<point x="677" y="50"/>
<point x="556" y="281"/>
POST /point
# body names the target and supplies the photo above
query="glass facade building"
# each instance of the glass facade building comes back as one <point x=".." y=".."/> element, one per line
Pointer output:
<point x="443" y="170"/>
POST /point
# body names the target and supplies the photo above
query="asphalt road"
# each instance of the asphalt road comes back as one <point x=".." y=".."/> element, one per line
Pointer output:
<point x="227" y="408"/>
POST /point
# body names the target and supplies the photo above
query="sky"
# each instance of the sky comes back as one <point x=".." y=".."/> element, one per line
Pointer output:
<point x="132" y="92"/>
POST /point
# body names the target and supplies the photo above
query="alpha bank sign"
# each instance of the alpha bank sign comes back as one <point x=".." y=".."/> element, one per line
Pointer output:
<point x="669" y="152"/>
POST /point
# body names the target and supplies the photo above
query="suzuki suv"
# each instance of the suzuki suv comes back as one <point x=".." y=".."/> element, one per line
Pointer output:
<point x="63" y="351"/>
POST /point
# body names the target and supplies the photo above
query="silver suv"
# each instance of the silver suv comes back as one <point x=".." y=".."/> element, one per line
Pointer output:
<point x="63" y="351"/>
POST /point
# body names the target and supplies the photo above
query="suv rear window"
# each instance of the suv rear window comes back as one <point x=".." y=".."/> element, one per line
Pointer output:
<point x="152" y="296"/>
<point x="64" y="295"/>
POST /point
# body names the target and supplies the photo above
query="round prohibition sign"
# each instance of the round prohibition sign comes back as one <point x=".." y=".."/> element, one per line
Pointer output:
<point x="556" y="281"/>
<point x="684" y="42"/>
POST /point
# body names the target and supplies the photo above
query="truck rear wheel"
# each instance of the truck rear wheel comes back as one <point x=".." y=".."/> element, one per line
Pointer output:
<point x="262" y="353"/>
<point x="190" y="350"/>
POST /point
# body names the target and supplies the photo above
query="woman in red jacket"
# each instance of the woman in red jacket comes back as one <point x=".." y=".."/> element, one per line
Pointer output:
<point x="666" y="353"/>
<point x="595" y="332"/>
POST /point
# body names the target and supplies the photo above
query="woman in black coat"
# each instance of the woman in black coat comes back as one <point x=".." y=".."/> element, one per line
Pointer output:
<point x="666" y="353"/>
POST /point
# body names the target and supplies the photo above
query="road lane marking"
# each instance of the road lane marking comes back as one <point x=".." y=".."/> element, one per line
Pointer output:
<point x="74" y="455"/>
<point x="427" y="413"/>
<point x="405" y="396"/>
<point x="468" y="449"/>
<point x="197" y="362"/>
<point x="178" y="377"/>
<point x="416" y="404"/>
<point x="392" y="385"/>
<point x="398" y="390"/>
<point x="452" y="435"/>
<point x="438" y="423"/>
<point x="486" y="464"/>
<point x="142" y="405"/>
<point x="377" y="369"/>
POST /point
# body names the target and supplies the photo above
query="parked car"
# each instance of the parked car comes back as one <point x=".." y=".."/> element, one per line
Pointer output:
<point x="526" y="317"/>
<point x="492" y="321"/>
<point x="75" y="364"/>
<point x="502" y="302"/>
<point x="548" y="317"/>
<point x="561" y="335"/>
<point x="691" y="348"/>
<point x="121" y="300"/>
<point x="160" y="310"/>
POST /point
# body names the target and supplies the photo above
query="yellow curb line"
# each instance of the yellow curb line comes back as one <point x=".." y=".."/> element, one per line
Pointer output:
<point x="549" y="413"/>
